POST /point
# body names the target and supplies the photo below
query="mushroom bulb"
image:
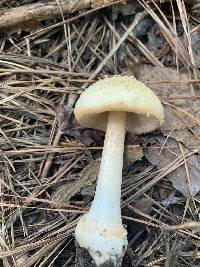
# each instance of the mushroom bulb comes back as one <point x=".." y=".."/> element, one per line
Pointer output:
<point x="114" y="105"/>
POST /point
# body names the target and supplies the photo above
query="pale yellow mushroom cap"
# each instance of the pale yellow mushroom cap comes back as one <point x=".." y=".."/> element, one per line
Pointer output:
<point x="120" y="93"/>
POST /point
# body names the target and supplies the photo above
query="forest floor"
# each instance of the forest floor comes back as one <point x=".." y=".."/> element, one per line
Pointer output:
<point x="50" y="51"/>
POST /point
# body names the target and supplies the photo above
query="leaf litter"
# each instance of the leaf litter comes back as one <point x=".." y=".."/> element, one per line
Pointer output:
<point x="49" y="163"/>
<point x="163" y="152"/>
<point x="179" y="104"/>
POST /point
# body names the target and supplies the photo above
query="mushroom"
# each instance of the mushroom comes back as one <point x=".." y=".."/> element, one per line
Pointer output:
<point x="115" y="105"/>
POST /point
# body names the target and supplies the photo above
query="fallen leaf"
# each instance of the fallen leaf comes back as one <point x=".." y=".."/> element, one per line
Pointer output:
<point x="164" y="82"/>
<point x="86" y="177"/>
<point x="68" y="125"/>
<point x="132" y="153"/>
<point x="188" y="186"/>
<point x="145" y="206"/>
<point x="88" y="190"/>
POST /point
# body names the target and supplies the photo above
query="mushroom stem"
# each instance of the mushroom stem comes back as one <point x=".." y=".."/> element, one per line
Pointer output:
<point x="100" y="231"/>
<point x="106" y="203"/>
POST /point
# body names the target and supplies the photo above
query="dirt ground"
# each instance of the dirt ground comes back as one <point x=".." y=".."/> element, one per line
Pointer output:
<point x="50" y="52"/>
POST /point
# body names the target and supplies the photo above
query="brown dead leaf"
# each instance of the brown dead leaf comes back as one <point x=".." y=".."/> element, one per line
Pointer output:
<point x="164" y="82"/>
<point x="68" y="125"/>
<point x="63" y="117"/>
<point x="88" y="190"/>
<point x="188" y="186"/>
<point x="132" y="153"/>
<point x="86" y="177"/>
<point x="143" y="205"/>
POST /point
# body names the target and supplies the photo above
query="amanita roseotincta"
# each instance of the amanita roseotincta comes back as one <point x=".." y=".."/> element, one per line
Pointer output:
<point x="114" y="105"/>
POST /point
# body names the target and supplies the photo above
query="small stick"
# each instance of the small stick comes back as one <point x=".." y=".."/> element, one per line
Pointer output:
<point x="50" y="158"/>
<point x="28" y="17"/>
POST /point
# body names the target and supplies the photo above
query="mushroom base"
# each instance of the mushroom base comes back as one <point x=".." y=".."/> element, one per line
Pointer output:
<point x="105" y="243"/>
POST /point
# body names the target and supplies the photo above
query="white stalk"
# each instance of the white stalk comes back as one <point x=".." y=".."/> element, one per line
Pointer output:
<point x="100" y="231"/>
